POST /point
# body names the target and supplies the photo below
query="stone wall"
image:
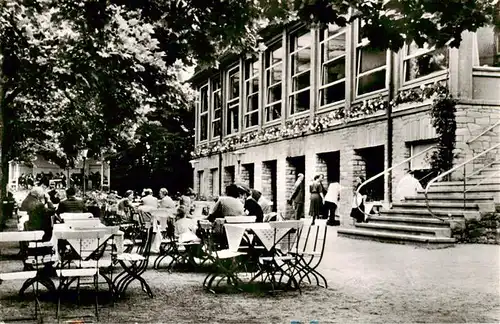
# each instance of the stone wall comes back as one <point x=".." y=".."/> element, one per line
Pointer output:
<point x="472" y="119"/>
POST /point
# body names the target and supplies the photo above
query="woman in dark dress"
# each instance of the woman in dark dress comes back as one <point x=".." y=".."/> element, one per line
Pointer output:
<point x="316" y="205"/>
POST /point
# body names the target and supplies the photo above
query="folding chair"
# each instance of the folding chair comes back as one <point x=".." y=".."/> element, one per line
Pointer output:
<point x="67" y="276"/>
<point x="134" y="264"/>
<point x="273" y="264"/>
<point x="226" y="264"/>
<point x="309" y="252"/>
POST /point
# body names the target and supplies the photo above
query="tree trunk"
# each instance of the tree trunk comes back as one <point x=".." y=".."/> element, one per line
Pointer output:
<point x="4" y="158"/>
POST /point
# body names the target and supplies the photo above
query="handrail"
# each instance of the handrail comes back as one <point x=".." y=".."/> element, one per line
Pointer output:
<point x="480" y="182"/>
<point x="449" y="172"/>
<point x="482" y="133"/>
<point x="389" y="170"/>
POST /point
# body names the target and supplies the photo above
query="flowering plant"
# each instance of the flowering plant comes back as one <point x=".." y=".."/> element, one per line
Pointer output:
<point x="302" y="126"/>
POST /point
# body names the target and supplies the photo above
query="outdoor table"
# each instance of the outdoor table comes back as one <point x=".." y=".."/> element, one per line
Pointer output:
<point x="269" y="234"/>
<point x="64" y="227"/>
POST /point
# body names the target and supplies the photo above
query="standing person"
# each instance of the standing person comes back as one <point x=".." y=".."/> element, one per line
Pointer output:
<point x="297" y="196"/>
<point x="316" y="202"/>
<point x="331" y="203"/>
<point x="358" y="202"/>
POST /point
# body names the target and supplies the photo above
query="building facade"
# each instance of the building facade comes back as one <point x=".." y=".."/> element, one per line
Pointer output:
<point x="323" y="101"/>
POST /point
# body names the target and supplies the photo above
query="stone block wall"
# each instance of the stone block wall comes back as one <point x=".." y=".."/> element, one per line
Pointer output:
<point x="248" y="174"/>
<point x="266" y="179"/>
<point x="228" y="176"/>
<point x="290" y="180"/>
<point x="472" y="119"/>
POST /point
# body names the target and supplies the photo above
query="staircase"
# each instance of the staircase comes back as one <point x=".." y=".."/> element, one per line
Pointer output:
<point x="410" y="222"/>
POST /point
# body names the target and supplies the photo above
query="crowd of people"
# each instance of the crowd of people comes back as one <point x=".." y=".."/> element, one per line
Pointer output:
<point x="92" y="180"/>
<point x="45" y="203"/>
<point x="323" y="202"/>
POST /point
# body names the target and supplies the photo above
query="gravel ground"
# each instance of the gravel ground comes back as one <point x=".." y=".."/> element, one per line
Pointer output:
<point x="369" y="282"/>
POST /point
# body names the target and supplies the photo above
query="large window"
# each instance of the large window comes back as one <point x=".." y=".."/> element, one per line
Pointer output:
<point x="203" y="104"/>
<point x="216" y="107"/>
<point x="488" y="46"/>
<point x="233" y="100"/>
<point x="422" y="61"/>
<point x="333" y="56"/>
<point x="274" y="77"/>
<point x="252" y="72"/>
<point x="371" y="66"/>
<point x="300" y="71"/>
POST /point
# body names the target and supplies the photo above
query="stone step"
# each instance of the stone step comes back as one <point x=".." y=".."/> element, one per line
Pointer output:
<point x="407" y="229"/>
<point x="482" y="188"/>
<point x="460" y="214"/>
<point x="455" y="195"/>
<point x="407" y="220"/>
<point x="460" y="184"/>
<point x="436" y="206"/>
<point x="423" y="240"/>
<point x="453" y="199"/>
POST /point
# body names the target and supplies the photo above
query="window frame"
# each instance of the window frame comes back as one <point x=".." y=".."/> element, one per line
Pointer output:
<point x="248" y="84"/>
<point x="213" y="108"/>
<point x="291" y="77"/>
<point x="268" y="70"/>
<point x="361" y="43"/>
<point x="232" y="104"/>
<point x="421" y="51"/>
<point x="322" y="64"/>
<point x="203" y="113"/>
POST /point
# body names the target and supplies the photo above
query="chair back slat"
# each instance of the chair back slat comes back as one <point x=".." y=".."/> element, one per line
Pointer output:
<point x="240" y="219"/>
<point x="76" y="216"/>
<point x="21" y="236"/>
<point x="84" y="224"/>
<point x="312" y="239"/>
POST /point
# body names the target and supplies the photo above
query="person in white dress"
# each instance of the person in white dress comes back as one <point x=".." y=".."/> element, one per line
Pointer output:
<point x="408" y="186"/>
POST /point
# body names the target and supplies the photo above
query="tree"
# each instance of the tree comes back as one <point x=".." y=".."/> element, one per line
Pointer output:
<point x="89" y="73"/>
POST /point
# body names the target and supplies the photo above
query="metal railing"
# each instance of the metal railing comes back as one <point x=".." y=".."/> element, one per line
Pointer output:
<point x="444" y="174"/>
<point x="482" y="133"/>
<point x="389" y="170"/>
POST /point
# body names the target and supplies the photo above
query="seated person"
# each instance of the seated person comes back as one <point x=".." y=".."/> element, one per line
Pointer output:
<point x="71" y="204"/>
<point x="185" y="228"/>
<point x="264" y="203"/>
<point x="53" y="194"/>
<point x="166" y="201"/>
<point x="229" y="205"/>
<point x="125" y="206"/>
<point x="40" y="211"/>
<point x="252" y="207"/>
<point x="149" y="200"/>
<point x="408" y="186"/>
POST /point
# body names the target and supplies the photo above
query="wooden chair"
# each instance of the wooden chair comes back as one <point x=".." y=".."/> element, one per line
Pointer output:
<point x="309" y="252"/>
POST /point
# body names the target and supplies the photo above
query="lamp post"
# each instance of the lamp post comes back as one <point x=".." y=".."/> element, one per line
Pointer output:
<point x="84" y="155"/>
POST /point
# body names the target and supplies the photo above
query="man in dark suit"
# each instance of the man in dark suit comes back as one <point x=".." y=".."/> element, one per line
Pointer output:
<point x="71" y="204"/>
<point x="297" y="197"/>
